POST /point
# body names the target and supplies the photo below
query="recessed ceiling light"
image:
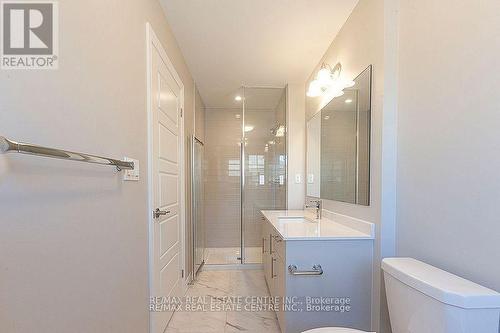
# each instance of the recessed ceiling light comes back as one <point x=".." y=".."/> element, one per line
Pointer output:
<point x="238" y="116"/>
<point x="237" y="98"/>
<point x="248" y="128"/>
<point x="348" y="100"/>
<point x="327" y="117"/>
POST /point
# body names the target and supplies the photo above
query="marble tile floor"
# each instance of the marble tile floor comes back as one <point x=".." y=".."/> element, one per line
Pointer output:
<point x="226" y="283"/>
<point x="230" y="255"/>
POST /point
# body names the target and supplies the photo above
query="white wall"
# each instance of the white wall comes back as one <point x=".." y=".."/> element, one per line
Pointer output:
<point x="296" y="145"/>
<point x="448" y="136"/>
<point x="73" y="237"/>
<point x="361" y="42"/>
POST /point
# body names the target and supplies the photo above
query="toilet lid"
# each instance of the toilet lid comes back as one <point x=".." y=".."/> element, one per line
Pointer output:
<point x="334" y="330"/>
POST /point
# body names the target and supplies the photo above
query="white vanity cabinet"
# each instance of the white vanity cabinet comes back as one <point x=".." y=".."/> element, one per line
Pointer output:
<point x="342" y="274"/>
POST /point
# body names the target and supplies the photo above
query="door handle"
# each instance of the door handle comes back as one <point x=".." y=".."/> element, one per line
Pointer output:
<point x="157" y="213"/>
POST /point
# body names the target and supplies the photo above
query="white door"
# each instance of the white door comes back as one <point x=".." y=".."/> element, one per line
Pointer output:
<point x="167" y="172"/>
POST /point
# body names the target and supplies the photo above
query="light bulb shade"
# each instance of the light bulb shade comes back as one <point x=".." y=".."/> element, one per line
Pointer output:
<point x="312" y="93"/>
<point x="314" y="89"/>
<point x="324" y="77"/>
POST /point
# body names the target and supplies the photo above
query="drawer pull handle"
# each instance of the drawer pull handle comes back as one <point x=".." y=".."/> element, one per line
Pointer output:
<point x="316" y="270"/>
<point x="273" y="260"/>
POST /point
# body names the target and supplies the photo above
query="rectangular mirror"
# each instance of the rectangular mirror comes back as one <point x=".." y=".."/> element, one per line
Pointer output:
<point x="338" y="146"/>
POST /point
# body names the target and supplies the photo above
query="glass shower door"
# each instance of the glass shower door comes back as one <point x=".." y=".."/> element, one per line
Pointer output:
<point x="264" y="160"/>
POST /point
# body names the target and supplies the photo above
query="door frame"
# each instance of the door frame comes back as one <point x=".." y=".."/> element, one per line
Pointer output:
<point x="153" y="41"/>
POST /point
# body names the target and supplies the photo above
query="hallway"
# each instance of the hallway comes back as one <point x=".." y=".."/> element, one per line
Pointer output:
<point x="223" y="284"/>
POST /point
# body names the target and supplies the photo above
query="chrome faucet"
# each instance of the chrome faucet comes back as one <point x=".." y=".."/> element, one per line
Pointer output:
<point x="317" y="205"/>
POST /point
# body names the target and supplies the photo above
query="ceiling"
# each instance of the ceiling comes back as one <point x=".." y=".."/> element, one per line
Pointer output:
<point x="230" y="43"/>
<point x="265" y="99"/>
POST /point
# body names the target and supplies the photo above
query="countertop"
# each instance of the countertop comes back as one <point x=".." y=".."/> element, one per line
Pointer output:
<point x="331" y="226"/>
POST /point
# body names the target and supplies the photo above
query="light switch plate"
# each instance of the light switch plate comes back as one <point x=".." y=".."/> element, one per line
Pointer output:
<point x="298" y="178"/>
<point x="310" y="178"/>
<point x="131" y="175"/>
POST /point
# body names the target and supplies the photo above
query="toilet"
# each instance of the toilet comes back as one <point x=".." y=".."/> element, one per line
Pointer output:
<point x="334" y="330"/>
<point x="423" y="299"/>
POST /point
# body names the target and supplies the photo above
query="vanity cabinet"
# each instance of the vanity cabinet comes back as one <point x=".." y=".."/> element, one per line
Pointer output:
<point x="344" y="286"/>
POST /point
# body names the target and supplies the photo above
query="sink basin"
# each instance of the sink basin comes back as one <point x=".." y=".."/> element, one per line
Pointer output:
<point x="297" y="219"/>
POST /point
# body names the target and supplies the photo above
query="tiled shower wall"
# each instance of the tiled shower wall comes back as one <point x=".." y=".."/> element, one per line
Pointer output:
<point x="222" y="177"/>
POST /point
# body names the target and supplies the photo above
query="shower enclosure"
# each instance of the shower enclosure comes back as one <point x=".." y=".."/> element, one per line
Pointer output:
<point x="244" y="173"/>
<point x="197" y="208"/>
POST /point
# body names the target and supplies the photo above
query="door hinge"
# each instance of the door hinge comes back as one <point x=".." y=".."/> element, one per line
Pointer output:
<point x="182" y="273"/>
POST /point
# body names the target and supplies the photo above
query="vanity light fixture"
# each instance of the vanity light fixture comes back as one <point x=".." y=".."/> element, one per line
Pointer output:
<point x="348" y="101"/>
<point x="315" y="89"/>
<point x="237" y="98"/>
<point x="329" y="80"/>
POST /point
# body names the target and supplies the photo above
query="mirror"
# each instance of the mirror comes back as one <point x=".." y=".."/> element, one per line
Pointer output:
<point x="338" y="146"/>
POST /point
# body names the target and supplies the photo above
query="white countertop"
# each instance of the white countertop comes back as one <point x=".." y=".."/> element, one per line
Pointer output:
<point x="331" y="226"/>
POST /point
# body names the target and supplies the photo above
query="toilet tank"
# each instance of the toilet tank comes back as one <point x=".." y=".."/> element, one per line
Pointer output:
<point x="425" y="299"/>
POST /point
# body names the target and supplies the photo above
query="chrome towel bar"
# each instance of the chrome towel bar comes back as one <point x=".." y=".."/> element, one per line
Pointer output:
<point x="316" y="270"/>
<point x="10" y="146"/>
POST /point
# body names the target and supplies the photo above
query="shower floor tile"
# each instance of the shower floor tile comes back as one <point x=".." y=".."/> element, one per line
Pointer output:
<point x="230" y="255"/>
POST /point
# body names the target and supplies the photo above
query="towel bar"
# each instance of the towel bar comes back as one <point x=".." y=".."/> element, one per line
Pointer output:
<point x="10" y="146"/>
